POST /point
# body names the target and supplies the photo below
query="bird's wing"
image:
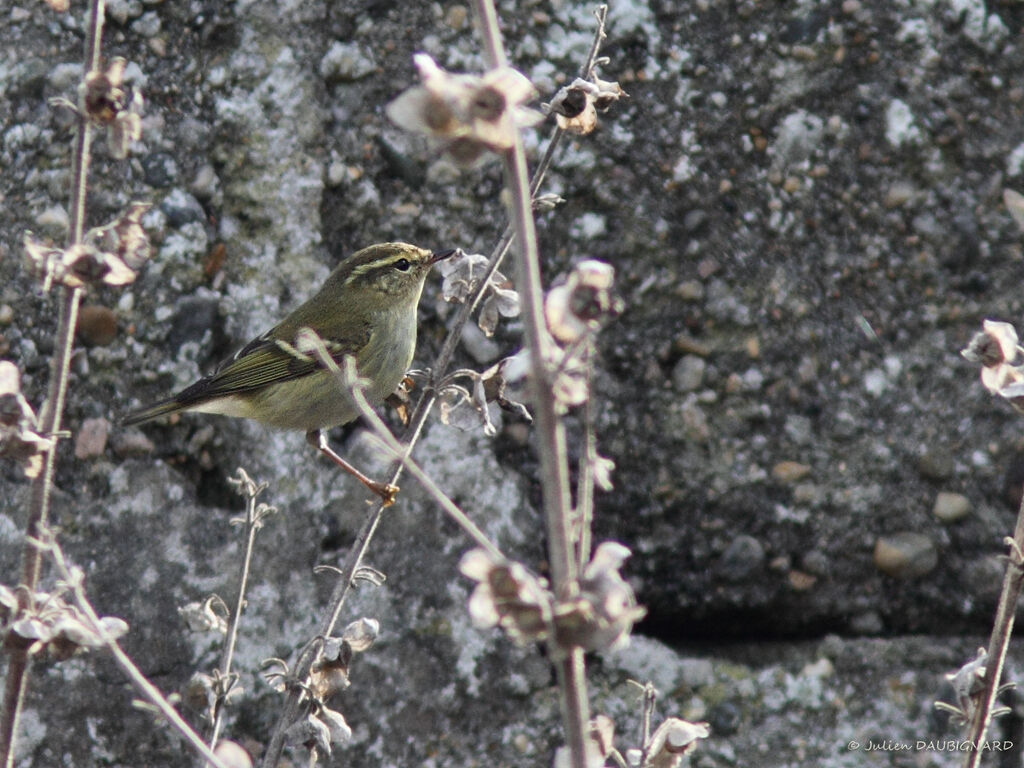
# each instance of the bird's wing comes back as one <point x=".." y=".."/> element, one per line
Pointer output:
<point x="264" y="361"/>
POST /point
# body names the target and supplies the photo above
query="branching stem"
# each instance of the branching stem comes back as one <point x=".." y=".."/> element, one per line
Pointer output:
<point x="254" y="516"/>
<point x="18" y="666"/>
<point x="1002" y="629"/>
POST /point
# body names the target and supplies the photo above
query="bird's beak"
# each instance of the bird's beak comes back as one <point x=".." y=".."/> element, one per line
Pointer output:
<point x="437" y="256"/>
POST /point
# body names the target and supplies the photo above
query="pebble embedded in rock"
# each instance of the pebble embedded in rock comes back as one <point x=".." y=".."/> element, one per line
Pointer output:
<point x="159" y="169"/>
<point x="132" y="442"/>
<point x="905" y="555"/>
<point x="456" y="17"/>
<point x="936" y="464"/>
<point x="204" y="185"/>
<point x="53" y="220"/>
<point x="950" y="507"/>
<point x="180" y="208"/>
<point x="193" y="317"/>
<point x="97" y="325"/>
<point x="688" y="373"/>
<point x="690" y="290"/>
<point x="799" y="429"/>
<point x="790" y="471"/>
<point x="92" y="438"/>
<point x="687" y="345"/>
<point x="800" y="581"/>
<point x="867" y="623"/>
<point x="694" y="220"/>
<point x="899" y="193"/>
<point x="743" y="557"/>
<point x="345" y="62"/>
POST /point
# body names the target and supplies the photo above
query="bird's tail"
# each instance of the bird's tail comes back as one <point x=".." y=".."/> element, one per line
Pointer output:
<point x="150" y="412"/>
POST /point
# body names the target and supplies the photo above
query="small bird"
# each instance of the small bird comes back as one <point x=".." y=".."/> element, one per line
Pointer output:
<point x="366" y="309"/>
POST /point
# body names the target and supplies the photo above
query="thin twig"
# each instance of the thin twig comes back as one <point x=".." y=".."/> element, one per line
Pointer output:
<point x="18" y="667"/>
<point x="254" y="517"/>
<point x="1002" y="629"/>
<point x="585" y="485"/>
<point x="138" y="679"/>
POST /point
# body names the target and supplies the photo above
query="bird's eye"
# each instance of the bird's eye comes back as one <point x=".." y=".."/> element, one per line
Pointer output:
<point x="402" y="265"/>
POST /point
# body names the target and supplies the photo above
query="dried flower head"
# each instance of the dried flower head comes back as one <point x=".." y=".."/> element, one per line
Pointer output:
<point x="464" y="410"/>
<point x="124" y="238"/>
<point x="104" y="100"/>
<point x="604" y="612"/>
<point x="968" y="684"/>
<point x="18" y="438"/>
<point x="320" y="729"/>
<point x="330" y="671"/>
<point x="507" y="595"/>
<point x="469" y="114"/>
<point x="110" y="254"/>
<point x="1002" y="361"/>
<point x="200" y="695"/>
<point x="211" y="615"/>
<point x="582" y="302"/>
<point x="310" y="732"/>
<point x="60" y="629"/>
<point x="461" y="275"/>
<point x="468" y="410"/>
<point x="576" y="105"/>
<point x="672" y="740"/>
<point x="570" y="386"/>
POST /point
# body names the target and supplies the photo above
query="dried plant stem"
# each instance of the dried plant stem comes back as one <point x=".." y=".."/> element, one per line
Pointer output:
<point x="584" y="513"/>
<point x="253" y="523"/>
<point x="998" y="643"/>
<point x="549" y="427"/>
<point x="152" y="694"/>
<point x="18" y="666"/>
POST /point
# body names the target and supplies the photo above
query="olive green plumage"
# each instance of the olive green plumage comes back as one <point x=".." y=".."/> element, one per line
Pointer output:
<point x="366" y="308"/>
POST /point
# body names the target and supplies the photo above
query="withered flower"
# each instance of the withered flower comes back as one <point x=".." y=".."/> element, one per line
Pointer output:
<point x="469" y="114"/>
<point x="968" y="684"/>
<point x="603" y="614"/>
<point x="576" y="105"/>
<point x="330" y="672"/>
<point x="461" y="274"/>
<point x="1002" y="361"/>
<point x="207" y="616"/>
<point x="507" y="595"/>
<point x="582" y="302"/>
<point x="60" y="629"/>
<point x="310" y="732"/>
<point x="18" y="438"/>
<point x="672" y="740"/>
<point x="200" y="695"/>
<point x="124" y="237"/>
<point x="569" y="387"/>
<point x="110" y="254"/>
<point x="319" y="729"/>
<point x="105" y="102"/>
<point x="468" y="410"/>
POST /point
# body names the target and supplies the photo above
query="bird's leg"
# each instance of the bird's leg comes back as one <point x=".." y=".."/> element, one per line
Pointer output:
<point x="386" y="491"/>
